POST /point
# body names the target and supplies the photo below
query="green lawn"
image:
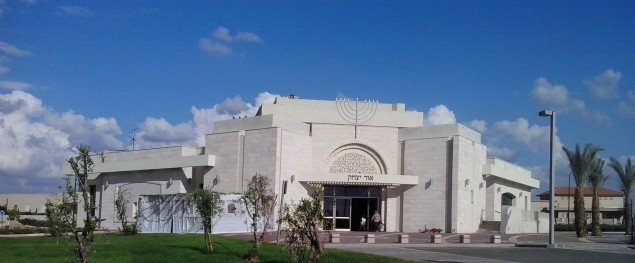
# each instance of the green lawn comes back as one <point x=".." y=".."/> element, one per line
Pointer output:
<point x="156" y="248"/>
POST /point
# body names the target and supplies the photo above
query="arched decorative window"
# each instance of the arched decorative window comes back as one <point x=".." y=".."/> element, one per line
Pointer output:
<point x="356" y="158"/>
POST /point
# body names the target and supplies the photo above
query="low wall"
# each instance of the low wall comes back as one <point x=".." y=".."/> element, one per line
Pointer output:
<point x="518" y="221"/>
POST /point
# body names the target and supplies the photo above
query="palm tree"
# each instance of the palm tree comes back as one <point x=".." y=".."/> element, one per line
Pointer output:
<point x="580" y="163"/>
<point x="596" y="181"/>
<point x="627" y="179"/>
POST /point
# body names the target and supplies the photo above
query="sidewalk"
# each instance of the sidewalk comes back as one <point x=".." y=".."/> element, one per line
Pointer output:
<point x="419" y="247"/>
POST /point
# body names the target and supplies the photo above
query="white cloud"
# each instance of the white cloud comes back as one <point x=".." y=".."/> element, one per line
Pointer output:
<point x="12" y="50"/>
<point x="222" y="33"/>
<point x="100" y="133"/>
<point x="535" y="137"/>
<point x="555" y="97"/>
<point x="439" y="114"/>
<point x="504" y="153"/>
<point x="478" y="125"/>
<point x="14" y="85"/>
<point x="76" y="11"/>
<point x="627" y="107"/>
<point x="159" y="132"/>
<point x="214" y="48"/>
<point x="604" y="86"/>
<point x="35" y="142"/>
<point x="248" y="37"/>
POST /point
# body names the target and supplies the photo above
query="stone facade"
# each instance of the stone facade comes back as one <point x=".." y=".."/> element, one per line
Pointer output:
<point x="424" y="176"/>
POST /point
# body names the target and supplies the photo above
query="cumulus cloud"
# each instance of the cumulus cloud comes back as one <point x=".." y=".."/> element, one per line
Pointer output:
<point x="503" y="136"/>
<point x="12" y="50"/>
<point x="14" y="85"/>
<point x="604" y="86"/>
<point x="221" y="40"/>
<point x="159" y="132"/>
<point x="439" y="114"/>
<point x="556" y="97"/>
<point x="248" y="37"/>
<point x="76" y="11"/>
<point x="478" y="125"/>
<point x="222" y="33"/>
<point x="214" y="48"/>
<point x="504" y="153"/>
<point x="627" y="107"/>
<point x="35" y="141"/>
<point x="100" y="133"/>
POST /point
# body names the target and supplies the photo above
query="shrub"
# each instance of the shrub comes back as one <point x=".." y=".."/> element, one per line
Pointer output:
<point x="23" y="230"/>
<point x="14" y="214"/>
<point x="130" y="230"/>
<point x="603" y="227"/>
<point x="33" y="222"/>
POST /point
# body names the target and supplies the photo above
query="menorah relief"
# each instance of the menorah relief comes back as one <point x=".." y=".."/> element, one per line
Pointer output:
<point x="356" y="112"/>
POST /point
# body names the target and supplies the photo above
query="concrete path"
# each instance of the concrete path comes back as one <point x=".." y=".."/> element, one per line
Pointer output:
<point x="611" y="247"/>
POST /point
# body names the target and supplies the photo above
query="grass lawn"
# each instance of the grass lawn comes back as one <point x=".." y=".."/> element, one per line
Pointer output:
<point x="156" y="248"/>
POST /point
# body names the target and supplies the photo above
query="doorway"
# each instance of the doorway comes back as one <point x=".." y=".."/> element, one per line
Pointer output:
<point x="344" y="206"/>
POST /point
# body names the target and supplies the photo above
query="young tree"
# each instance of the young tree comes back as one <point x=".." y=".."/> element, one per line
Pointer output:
<point x="260" y="202"/>
<point x="208" y="205"/>
<point x="60" y="215"/>
<point x="596" y="181"/>
<point x="121" y="209"/>
<point x="626" y="175"/>
<point x="82" y="165"/>
<point x="304" y="221"/>
<point x="580" y="163"/>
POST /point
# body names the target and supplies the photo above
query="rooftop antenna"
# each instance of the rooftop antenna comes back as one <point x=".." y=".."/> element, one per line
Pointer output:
<point x="132" y="136"/>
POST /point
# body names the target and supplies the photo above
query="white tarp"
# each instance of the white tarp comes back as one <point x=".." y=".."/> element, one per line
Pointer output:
<point x="174" y="214"/>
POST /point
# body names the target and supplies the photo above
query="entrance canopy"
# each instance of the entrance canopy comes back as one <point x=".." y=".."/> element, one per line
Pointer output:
<point x="358" y="179"/>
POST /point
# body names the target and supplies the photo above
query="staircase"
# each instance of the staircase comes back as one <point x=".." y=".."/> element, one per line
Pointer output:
<point x="490" y="227"/>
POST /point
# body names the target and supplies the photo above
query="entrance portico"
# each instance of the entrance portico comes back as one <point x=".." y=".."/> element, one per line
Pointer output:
<point x="349" y="196"/>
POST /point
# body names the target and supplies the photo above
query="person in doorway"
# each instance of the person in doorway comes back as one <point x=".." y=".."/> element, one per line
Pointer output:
<point x="376" y="221"/>
<point x="362" y="224"/>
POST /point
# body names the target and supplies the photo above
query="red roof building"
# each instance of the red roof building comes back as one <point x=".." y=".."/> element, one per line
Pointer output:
<point x="586" y="191"/>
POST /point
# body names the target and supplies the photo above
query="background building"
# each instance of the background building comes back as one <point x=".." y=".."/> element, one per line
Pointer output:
<point x="611" y="205"/>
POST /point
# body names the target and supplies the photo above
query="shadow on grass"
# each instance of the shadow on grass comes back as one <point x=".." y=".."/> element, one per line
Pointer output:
<point x="219" y="248"/>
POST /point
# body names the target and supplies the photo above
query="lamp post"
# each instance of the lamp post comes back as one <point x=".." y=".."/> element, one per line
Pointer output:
<point x="552" y="114"/>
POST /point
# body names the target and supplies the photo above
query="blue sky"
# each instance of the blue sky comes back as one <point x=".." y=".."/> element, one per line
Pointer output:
<point x="90" y="72"/>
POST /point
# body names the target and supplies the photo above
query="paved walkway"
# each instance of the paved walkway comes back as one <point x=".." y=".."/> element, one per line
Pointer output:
<point x="611" y="247"/>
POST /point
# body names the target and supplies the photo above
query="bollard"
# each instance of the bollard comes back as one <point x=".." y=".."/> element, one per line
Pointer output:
<point x="435" y="239"/>
<point x="465" y="239"/>
<point x="403" y="238"/>
<point x="335" y="238"/>
<point x="369" y="238"/>
<point x="495" y="239"/>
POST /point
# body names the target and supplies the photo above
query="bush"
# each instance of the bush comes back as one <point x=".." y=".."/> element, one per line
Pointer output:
<point x="612" y="228"/>
<point x="564" y="227"/>
<point x="14" y="214"/>
<point x="33" y="222"/>
<point x="130" y="230"/>
<point x="603" y="227"/>
<point x="23" y="230"/>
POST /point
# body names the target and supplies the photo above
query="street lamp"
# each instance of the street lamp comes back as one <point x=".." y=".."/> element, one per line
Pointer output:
<point x="552" y="114"/>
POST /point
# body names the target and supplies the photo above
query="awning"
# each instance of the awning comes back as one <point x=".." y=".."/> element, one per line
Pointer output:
<point x="317" y="179"/>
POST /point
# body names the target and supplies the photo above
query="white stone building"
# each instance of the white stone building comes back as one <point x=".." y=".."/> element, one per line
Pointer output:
<point x="365" y="156"/>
